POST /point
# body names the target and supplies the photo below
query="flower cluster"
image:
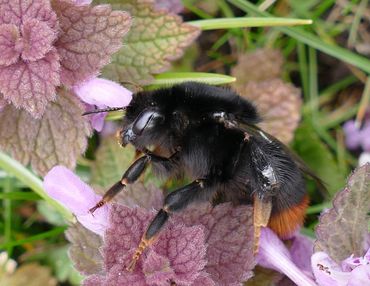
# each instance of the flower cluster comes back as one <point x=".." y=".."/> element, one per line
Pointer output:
<point x="352" y="271"/>
<point x="45" y="45"/>
<point x="201" y="246"/>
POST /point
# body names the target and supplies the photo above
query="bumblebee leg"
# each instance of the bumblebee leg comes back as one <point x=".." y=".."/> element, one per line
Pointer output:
<point x="174" y="202"/>
<point x="261" y="216"/>
<point x="130" y="176"/>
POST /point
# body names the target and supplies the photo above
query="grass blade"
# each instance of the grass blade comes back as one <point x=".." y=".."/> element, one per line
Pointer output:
<point x="310" y="39"/>
<point x="246" y="22"/>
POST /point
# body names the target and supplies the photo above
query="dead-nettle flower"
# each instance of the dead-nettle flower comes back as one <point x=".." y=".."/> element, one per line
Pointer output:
<point x="353" y="271"/>
<point x="203" y="245"/>
<point x="294" y="263"/>
<point x="101" y="93"/>
<point x="46" y="44"/>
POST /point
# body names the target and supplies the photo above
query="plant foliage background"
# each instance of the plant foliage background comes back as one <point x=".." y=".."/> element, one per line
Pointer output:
<point x="310" y="82"/>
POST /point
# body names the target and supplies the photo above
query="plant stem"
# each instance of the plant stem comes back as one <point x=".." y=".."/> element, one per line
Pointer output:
<point x="15" y="168"/>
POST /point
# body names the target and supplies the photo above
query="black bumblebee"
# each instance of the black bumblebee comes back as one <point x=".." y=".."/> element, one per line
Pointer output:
<point x="209" y="134"/>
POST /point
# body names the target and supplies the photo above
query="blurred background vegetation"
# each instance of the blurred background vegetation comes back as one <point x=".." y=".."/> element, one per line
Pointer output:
<point x="327" y="61"/>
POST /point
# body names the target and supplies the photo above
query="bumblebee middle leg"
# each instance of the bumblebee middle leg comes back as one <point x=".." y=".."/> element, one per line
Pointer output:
<point x="174" y="202"/>
<point x="131" y="175"/>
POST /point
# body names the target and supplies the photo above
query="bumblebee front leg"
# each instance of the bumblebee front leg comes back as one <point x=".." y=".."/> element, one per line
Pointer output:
<point x="130" y="176"/>
<point x="174" y="202"/>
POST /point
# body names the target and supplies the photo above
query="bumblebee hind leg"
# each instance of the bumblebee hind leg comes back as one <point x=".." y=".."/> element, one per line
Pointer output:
<point x="174" y="202"/>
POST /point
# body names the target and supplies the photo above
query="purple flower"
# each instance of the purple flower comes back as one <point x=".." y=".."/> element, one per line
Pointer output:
<point x="357" y="137"/>
<point x="173" y="6"/>
<point x="101" y="93"/>
<point x="46" y="44"/>
<point x="273" y="254"/>
<point x="64" y="186"/>
<point x="353" y="271"/>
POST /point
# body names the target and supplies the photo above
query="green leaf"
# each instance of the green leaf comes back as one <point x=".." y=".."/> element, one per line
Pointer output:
<point x="155" y="39"/>
<point x="62" y="266"/>
<point x="342" y="230"/>
<point x="264" y="277"/>
<point x="245" y="22"/>
<point x="111" y="162"/>
<point x="55" y="139"/>
<point x="310" y="39"/>
<point x="316" y="154"/>
<point x="171" y="78"/>
<point x="84" y="250"/>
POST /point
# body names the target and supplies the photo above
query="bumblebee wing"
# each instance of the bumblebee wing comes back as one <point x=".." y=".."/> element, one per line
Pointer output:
<point x="252" y="130"/>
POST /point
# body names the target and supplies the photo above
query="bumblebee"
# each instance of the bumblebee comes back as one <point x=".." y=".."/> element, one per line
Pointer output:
<point x="209" y="134"/>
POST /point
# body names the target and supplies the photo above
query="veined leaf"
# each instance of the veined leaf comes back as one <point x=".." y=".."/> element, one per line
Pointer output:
<point x="155" y="39"/>
<point x="342" y="230"/>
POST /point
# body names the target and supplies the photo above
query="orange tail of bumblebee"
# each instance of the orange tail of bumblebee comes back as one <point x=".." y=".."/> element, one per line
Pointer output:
<point x="288" y="221"/>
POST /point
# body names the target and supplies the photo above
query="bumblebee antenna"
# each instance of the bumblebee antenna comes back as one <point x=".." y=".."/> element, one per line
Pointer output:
<point x="109" y="109"/>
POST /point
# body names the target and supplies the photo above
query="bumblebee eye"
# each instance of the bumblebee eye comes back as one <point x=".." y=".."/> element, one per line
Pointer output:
<point x="146" y="120"/>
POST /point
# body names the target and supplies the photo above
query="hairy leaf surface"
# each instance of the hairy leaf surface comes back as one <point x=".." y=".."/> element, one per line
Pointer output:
<point x="57" y="138"/>
<point x="342" y="230"/>
<point x="155" y="38"/>
<point x="84" y="250"/>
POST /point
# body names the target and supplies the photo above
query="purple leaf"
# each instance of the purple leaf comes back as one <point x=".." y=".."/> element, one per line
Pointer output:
<point x="185" y="248"/>
<point x="157" y="269"/>
<point x="228" y="233"/>
<point x="9" y="35"/>
<point x="342" y="230"/>
<point x="178" y="255"/>
<point x="78" y="197"/>
<point x="31" y="85"/>
<point x="57" y="138"/>
<point x="90" y="35"/>
<point x="37" y="39"/>
<point x="28" y="29"/>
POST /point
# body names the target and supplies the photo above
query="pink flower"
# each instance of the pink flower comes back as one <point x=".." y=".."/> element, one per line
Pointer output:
<point x="357" y="137"/>
<point x="64" y="186"/>
<point x="44" y="46"/>
<point x="101" y="93"/>
<point x="353" y="271"/>
<point x="273" y="254"/>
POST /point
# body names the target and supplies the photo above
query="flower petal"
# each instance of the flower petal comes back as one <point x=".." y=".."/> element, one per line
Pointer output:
<point x="102" y="92"/>
<point x="273" y="254"/>
<point x="65" y="187"/>
<point x="301" y="252"/>
<point x="353" y="134"/>
<point x="327" y="272"/>
<point x="97" y="119"/>
<point x="360" y="276"/>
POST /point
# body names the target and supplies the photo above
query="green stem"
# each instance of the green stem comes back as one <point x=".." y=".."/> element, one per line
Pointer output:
<point x="8" y="215"/>
<point x="245" y="22"/>
<point x="15" y="168"/>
